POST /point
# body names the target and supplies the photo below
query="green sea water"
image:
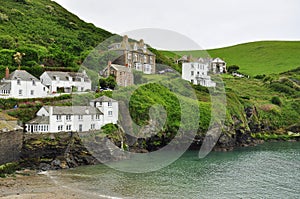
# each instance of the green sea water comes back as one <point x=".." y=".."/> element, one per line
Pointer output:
<point x="270" y="170"/>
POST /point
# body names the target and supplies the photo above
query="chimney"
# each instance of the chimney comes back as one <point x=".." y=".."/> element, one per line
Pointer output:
<point x="6" y="73"/>
<point x="108" y="68"/>
<point x="125" y="39"/>
<point x="142" y="43"/>
<point x="189" y="58"/>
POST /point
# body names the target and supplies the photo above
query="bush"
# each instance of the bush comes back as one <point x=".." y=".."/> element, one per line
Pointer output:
<point x="260" y="76"/>
<point x="282" y="88"/>
<point x="233" y="68"/>
<point x="276" y="100"/>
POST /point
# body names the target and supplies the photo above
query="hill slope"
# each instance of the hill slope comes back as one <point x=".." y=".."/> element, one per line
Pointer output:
<point x="264" y="57"/>
<point x="47" y="34"/>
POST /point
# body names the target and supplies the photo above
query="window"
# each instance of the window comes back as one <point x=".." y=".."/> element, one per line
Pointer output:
<point x="32" y="92"/>
<point x="110" y="113"/>
<point x="68" y="117"/>
<point x="97" y="117"/>
<point x="20" y="92"/>
<point x="93" y="126"/>
<point x="58" y="117"/>
<point x="60" y="128"/>
<point x="192" y="81"/>
<point x="145" y="59"/>
<point x="92" y="117"/>
<point x="68" y="127"/>
<point x="18" y="81"/>
<point x="192" y="73"/>
<point x="109" y="103"/>
<point x="44" y="88"/>
<point x="129" y="56"/>
<point x="33" y="82"/>
<point x="80" y="117"/>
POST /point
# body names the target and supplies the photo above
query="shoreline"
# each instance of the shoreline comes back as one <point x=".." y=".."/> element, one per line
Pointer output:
<point x="29" y="184"/>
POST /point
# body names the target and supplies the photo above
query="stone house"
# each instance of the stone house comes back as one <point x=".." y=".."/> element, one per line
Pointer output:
<point x="134" y="55"/>
<point x="66" y="81"/>
<point x="53" y="119"/>
<point x="123" y="75"/>
<point x="21" y="84"/>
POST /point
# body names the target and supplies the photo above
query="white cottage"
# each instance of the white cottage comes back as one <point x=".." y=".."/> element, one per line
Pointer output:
<point x="53" y="119"/>
<point x="218" y="65"/>
<point x="66" y="81"/>
<point x="21" y="84"/>
<point x="197" y="73"/>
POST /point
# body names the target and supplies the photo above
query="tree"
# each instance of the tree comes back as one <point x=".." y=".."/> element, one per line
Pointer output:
<point x="108" y="82"/>
<point x="18" y="59"/>
<point x="233" y="68"/>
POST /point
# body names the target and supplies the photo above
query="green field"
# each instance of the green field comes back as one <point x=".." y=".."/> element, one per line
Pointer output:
<point x="264" y="57"/>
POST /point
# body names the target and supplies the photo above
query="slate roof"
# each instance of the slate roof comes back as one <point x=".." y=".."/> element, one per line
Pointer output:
<point x="129" y="47"/>
<point x="104" y="99"/>
<point x="120" y="68"/>
<point x="22" y="75"/>
<point x="64" y="76"/>
<point x="39" y="120"/>
<point x="5" y="86"/>
<point x="218" y="60"/>
<point x="74" y="110"/>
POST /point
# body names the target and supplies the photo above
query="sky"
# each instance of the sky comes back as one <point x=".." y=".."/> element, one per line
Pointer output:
<point x="206" y="23"/>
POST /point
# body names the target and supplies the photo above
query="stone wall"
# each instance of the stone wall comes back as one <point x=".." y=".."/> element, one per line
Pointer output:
<point x="10" y="146"/>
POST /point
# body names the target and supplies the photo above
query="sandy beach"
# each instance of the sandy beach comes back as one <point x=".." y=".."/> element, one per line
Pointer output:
<point x="35" y="186"/>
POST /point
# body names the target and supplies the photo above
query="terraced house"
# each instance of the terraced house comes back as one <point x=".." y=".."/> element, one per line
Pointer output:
<point x="66" y="81"/>
<point x="134" y="55"/>
<point x="21" y="84"/>
<point x="53" y="119"/>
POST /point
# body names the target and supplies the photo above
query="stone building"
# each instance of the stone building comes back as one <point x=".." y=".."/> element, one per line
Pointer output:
<point x="134" y="55"/>
<point x="123" y="75"/>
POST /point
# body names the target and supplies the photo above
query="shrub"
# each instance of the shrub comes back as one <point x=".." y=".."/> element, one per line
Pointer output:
<point x="233" y="68"/>
<point x="282" y="88"/>
<point x="276" y="100"/>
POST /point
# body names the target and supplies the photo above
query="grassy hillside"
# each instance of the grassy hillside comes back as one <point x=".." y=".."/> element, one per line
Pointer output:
<point x="265" y="57"/>
<point x="48" y="34"/>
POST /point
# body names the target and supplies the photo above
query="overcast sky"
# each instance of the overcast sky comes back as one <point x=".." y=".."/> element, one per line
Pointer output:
<point x="210" y="23"/>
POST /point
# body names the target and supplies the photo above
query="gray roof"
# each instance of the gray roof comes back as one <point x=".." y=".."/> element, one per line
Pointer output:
<point x="120" y="68"/>
<point x="22" y="75"/>
<point x="129" y="46"/>
<point x="5" y="86"/>
<point x="103" y="99"/>
<point x="74" y="110"/>
<point x="39" y="120"/>
<point x="63" y="76"/>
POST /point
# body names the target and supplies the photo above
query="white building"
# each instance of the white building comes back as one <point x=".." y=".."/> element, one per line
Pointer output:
<point x="21" y="84"/>
<point x="53" y="119"/>
<point x="197" y="73"/>
<point x="66" y="81"/>
<point x="218" y="66"/>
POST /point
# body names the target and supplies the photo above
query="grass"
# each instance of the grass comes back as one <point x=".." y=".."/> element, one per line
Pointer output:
<point x="264" y="57"/>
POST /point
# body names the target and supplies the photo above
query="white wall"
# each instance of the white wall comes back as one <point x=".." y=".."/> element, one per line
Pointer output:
<point x="39" y="90"/>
